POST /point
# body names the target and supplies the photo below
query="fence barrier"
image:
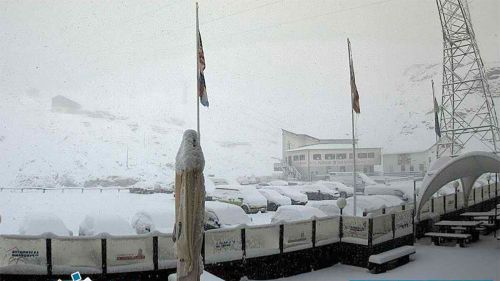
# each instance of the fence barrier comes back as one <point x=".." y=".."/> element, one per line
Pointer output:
<point x="51" y="255"/>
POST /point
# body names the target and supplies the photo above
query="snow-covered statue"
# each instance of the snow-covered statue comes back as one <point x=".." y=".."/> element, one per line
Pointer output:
<point x="189" y="207"/>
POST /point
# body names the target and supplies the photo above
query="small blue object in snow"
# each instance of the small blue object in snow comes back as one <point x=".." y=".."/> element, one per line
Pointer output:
<point x="76" y="276"/>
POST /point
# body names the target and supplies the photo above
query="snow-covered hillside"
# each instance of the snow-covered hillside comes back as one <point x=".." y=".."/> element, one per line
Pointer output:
<point x="42" y="147"/>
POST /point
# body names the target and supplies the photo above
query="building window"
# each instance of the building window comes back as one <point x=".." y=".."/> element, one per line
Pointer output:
<point x="421" y="167"/>
<point x="411" y="168"/>
<point x="361" y="155"/>
<point x="295" y="158"/>
<point x="371" y="155"/>
<point x="329" y="156"/>
<point x="302" y="157"/>
<point x="342" y="168"/>
<point x="341" y="156"/>
<point x="350" y="155"/>
<point x="316" y="156"/>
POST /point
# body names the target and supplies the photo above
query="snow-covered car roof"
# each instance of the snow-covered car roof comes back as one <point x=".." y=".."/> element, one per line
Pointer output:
<point x="275" y="197"/>
<point x="316" y="188"/>
<point x="371" y="203"/>
<point x="288" y="191"/>
<point x="329" y="207"/>
<point x="153" y="220"/>
<point x="228" y="214"/>
<point x="95" y="224"/>
<point x="40" y="223"/>
<point x="296" y="213"/>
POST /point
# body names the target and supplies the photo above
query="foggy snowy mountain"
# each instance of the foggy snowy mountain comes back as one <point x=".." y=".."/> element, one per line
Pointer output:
<point x="92" y="146"/>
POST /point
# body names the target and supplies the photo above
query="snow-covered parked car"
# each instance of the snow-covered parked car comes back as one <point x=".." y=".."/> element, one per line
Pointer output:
<point x="343" y="190"/>
<point x="149" y="221"/>
<point x="329" y="207"/>
<point x="296" y="213"/>
<point x="370" y="203"/>
<point x="380" y="189"/>
<point x="247" y="197"/>
<point x="274" y="199"/>
<point x="96" y="224"/>
<point x="318" y="192"/>
<point x="220" y="215"/>
<point x="296" y="197"/>
<point x="347" y="178"/>
<point x="39" y="223"/>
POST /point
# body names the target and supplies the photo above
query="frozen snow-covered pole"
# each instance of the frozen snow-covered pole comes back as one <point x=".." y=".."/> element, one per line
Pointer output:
<point x="189" y="207"/>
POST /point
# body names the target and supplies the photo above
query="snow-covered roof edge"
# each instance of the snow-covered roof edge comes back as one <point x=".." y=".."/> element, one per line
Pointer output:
<point x="190" y="154"/>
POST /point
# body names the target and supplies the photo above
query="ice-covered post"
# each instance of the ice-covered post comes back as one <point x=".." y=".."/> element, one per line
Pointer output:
<point x="189" y="207"/>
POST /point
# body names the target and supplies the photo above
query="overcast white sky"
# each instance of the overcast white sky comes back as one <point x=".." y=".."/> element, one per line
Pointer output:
<point x="291" y="54"/>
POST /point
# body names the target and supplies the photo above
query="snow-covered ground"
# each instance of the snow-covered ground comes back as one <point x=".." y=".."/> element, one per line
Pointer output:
<point x="479" y="261"/>
<point x="72" y="206"/>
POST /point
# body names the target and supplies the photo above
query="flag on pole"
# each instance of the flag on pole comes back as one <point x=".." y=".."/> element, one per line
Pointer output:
<point x="202" y="87"/>
<point x="354" y="89"/>
<point x="436" y="118"/>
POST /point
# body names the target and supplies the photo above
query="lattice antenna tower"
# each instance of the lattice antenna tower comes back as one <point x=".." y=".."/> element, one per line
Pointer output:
<point x="467" y="107"/>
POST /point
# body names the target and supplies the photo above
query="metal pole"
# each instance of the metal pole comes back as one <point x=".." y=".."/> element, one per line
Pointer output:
<point x="354" y="159"/>
<point x="353" y="139"/>
<point x="496" y="203"/>
<point x="437" y="140"/>
<point x="197" y="74"/>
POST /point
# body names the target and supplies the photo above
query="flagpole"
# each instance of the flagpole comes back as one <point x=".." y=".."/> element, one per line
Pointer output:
<point x="197" y="75"/>
<point x="433" y="99"/>
<point x="353" y="138"/>
<point x="353" y="158"/>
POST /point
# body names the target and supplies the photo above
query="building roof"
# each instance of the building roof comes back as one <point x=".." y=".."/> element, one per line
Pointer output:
<point x="326" y="146"/>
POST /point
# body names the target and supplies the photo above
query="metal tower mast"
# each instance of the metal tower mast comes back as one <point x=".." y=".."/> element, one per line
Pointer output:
<point x="467" y="108"/>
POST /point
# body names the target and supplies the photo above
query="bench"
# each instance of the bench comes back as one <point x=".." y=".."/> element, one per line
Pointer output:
<point x="378" y="263"/>
<point x="460" y="237"/>
<point x="459" y="229"/>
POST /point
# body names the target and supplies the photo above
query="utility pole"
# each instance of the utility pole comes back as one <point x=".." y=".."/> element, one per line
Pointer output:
<point x="467" y="106"/>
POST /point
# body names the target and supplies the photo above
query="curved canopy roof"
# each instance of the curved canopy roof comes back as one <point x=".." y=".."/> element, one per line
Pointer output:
<point x="466" y="167"/>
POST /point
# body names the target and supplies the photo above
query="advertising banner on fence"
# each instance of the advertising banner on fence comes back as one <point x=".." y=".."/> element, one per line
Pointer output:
<point x="223" y="245"/>
<point x="382" y="229"/>
<point x="327" y="231"/>
<point x="425" y="211"/>
<point x="166" y="252"/>
<point x="492" y="191"/>
<point x="403" y="223"/>
<point x="297" y="236"/>
<point x="76" y="254"/>
<point x="479" y="195"/>
<point x="129" y="254"/>
<point x="471" y="198"/>
<point x="393" y="209"/>
<point x="355" y="230"/>
<point x="450" y="203"/>
<point x="438" y="205"/>
<point x="262" y="241"/>
<point x="19" y="255"/>
<point x="486" y="193"/>
<point x="460" y="200"/>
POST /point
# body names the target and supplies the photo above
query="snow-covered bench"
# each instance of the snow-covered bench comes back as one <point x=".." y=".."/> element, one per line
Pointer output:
<point x="461" y="238"/>
<point x="459" y="229"/>
<point x="378" y="263"/>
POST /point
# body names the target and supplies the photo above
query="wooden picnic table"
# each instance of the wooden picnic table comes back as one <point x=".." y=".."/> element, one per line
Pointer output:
<point x="470" y="227"/>
<point x="490" y="215"/>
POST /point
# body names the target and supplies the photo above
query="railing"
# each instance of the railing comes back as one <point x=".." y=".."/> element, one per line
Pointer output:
<point x="444" y="204"/>
<point x="353" y="239"/>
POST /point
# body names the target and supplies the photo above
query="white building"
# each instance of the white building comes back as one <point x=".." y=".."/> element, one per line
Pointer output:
<point x="307" y="157"/>
<point x="409" y="162"/>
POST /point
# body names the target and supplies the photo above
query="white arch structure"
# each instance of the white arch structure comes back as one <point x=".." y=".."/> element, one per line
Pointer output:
<point x="467" y="168"/>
